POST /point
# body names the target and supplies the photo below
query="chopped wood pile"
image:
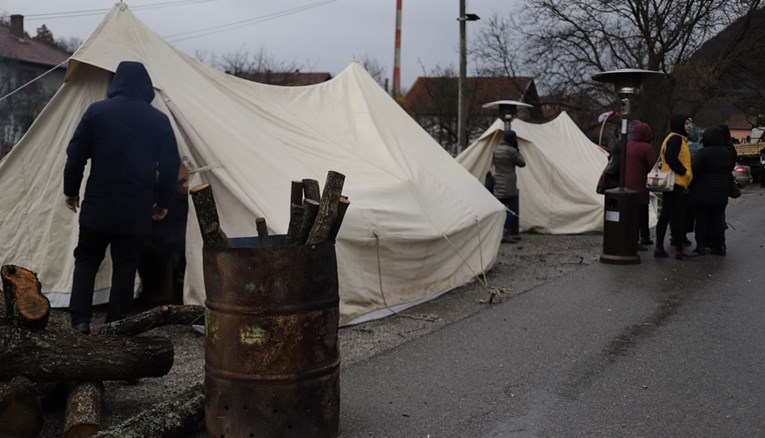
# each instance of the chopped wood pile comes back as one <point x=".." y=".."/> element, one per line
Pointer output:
<point x="315" y="216"/>
<point x="36" y="352"/>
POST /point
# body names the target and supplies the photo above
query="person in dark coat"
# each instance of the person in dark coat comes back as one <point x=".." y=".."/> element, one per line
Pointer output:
<point x="640" y="160"/>
<point x="675" y="155"/>
<point x="709" y="190"/>
<point x="133" y="163"/>
<point x="505" y="159"/>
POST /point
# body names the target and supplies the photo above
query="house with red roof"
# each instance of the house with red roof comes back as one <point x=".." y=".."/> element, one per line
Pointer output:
<point x="23" y="59"/>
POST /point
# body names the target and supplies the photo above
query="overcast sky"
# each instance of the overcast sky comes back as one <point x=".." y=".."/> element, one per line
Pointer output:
<point x="325" y="35"/>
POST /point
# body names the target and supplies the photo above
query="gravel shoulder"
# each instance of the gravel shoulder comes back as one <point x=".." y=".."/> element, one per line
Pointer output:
<point x="519" y="269"/>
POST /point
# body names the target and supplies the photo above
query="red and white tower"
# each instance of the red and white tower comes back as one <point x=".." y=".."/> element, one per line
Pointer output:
<point x="396" y="91"/>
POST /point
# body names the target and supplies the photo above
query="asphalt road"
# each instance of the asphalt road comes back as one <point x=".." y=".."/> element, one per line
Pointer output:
<point x="658" y="349"/>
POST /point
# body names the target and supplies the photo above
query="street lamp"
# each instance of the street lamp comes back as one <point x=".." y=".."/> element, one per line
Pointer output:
<point x="620" y="228"/>
<point x="461" y="110"/>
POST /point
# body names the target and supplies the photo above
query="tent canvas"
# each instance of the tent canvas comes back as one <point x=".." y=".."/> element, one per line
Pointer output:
<point x="557" y="186"/>
<point x="418" y="224"/>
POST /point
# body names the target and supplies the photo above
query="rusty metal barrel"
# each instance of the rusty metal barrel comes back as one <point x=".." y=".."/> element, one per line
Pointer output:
<point x="271" y="357"/>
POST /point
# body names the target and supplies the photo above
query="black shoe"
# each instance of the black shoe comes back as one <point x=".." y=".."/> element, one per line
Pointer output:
<point x="641" y="248"/>
<point x="646" y="242"/>
<point x="660" y="253"/>
<point x="82" y="327"/>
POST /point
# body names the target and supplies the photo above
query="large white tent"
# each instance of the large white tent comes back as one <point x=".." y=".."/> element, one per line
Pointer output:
<point x="557" y="186"/>
<point x="419" y="224"/>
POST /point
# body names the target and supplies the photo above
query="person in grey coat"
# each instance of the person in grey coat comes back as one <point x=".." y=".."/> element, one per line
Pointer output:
<point x="505" y="159"/>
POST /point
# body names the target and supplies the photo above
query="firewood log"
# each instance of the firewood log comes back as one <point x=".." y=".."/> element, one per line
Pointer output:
<point x="82" y="417"/>
<point x="296" y="220"/>
<point x="296" y="193"/>
<point x="24" y="301"/>
<point x="325" y="218"/>
<point x="311" y="189"/>
<point x="309" y="215"/>
<point x="152" y="318"/>
<point x="207" y="216"/>
<point x="342" y="207"/>
<point x="21" y="413"/>
<point x="181" y="416"/>
<point x="260" y="225"/>
<point x="58" y="353"/>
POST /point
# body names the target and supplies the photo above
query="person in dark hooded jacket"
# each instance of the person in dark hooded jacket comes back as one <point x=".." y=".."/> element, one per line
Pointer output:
<point x="134" y="167"/>
<point x="640" y="160"/>
<point x="712" y="166"/>
<point x="505" y="159"/>
<point x="675" y="155"/>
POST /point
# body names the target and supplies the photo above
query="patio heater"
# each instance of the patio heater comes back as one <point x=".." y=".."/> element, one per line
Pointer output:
<point x="507" y="109"/>
<point x="620" y="227"/>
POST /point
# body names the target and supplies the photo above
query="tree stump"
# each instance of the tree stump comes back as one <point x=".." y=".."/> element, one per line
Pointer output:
<point x="21" y="413"/>
<point x="24" y="301"/>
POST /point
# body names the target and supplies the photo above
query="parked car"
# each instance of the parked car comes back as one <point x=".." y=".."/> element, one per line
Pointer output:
<point x="743" y="174"/>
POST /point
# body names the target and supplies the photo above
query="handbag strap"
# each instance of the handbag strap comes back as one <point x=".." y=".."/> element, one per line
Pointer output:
<point x="663" y="147"/>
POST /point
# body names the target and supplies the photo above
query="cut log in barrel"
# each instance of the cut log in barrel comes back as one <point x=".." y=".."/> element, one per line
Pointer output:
<point x="207" y="216"/>
<point x="309" y="215"/>
<point x="311" y="189"/>
<point x="153" y="318"/>
<point x="296" y="220"/>
<point x="21" y="413"/>
<point x="260" y="225"/>
<point x="181" y="416"/>
<point x="296" y="193"/>
<point x="24" y="301"/>
<point x="58" y="353"/>
<point x="82" y="417"/>
<point x="342" y="207"/>
<point x="325" y="218"/>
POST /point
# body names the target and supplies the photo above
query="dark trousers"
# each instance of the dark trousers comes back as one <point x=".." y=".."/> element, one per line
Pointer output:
<point x="672" y="214"/>
<point x="90" y="251"/>
<point x="644" y="230"/>
<point x="710" y="226"/>
<point x="511" y="220"/>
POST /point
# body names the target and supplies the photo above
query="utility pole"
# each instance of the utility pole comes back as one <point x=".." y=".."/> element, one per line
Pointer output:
<point x="462" y="94"/>
<point x="461" y="110"/>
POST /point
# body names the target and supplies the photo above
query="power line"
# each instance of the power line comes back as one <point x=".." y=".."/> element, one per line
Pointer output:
<point x="224" y="27"/>
<point x="89" y="12"/>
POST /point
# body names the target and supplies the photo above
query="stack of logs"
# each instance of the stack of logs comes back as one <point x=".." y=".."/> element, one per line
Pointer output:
<point x="40" y="356"/>
<point x="314" y="217"/>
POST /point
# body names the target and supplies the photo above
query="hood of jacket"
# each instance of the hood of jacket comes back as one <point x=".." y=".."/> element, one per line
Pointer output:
<point x="132" y="80"/>
<point x="713" y="136"/>
<point x="677" y="124"/>
<point x="643" y="132"/>
<point x="510" y="138"/>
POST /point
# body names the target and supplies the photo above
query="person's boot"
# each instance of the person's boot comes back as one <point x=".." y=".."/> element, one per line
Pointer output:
<point x="82" y="327"/>
<point x="684" y="252"/>
<point x="659" y="252"/>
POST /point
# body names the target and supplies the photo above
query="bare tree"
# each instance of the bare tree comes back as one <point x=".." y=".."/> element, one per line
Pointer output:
<point x="375" y="69"/>
<point x="569" y="40"/>
<point x="495" y="49"/>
